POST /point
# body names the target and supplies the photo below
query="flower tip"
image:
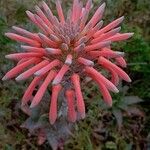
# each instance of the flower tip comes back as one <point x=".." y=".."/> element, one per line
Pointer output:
<point x="110" y="104"/>
<point x="107" y="43"/>
<point x="14" y="27"/>
<point x="36" y="7"/>
<point x="116" y="90"/>
<point x="121" y="18"/>
<point x="83" y="115"/>
<point x="28" y="12"/>
<point x="18" y="78"/>
<point x="23" y="46"/>
<point x="130" y="34"/>
<point x="40" y="35"/>
<point x="55" y="82"/>
<point x="36" y="16"/>
<point x="118" y="29"/>
<point x="129" y="80"/>
<point x="51" y="121"/>
<point x="120" y="53"/>
<point x="32" y="105"/>
<point x="103" y="5"/>
<point x="7" y="56"/>
<point x="101" y="22"/>
<point x="37" y="73"/>
<point x="48" y="49"/>
<point x="7" y="34"/>
<point x="4" y="78"/>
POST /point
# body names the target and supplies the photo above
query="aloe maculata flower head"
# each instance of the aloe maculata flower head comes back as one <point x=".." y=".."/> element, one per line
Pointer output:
<point x="64" y="52"/>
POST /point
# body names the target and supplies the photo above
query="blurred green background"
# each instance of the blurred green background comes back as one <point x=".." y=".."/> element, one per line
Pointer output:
<point x="126" y="126"/>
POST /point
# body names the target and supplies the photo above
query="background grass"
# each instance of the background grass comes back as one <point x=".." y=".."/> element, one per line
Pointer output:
<point x="104" y="128"/>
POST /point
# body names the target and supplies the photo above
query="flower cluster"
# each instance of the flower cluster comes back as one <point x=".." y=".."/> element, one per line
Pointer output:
<point x="66" y="49"/>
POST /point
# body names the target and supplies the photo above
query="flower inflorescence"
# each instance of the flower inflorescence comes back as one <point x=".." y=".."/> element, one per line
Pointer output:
<point x="64" y="51"/>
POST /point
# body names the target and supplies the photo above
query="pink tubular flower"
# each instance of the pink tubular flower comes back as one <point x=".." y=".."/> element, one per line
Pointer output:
<point x="64" y="51"/>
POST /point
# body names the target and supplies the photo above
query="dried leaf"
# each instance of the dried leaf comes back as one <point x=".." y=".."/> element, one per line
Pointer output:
<point x="135" y="111"/>
<point x="111" y="145"/>
<point x="118" y="115"/>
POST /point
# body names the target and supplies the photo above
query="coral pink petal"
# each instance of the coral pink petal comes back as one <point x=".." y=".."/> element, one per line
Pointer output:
<point x="16" y="70"/>
<point x="106" y="52"/>
<point x="98" y="15"/>
<point x="70" y="96"/>
<point x="86" y="29"/>
<point x="23" y="32"/>
<point x="121" y="62"/>
<point x="43" y="25"/>
<point x="95" y="29"/>
<point x="68" y="60"/>
<point x="28" y="93"/>
<point x="97" y="46"/>
<point x="48" y="67"/>
<point x="42" y="16"/>
<point x="110" y="26"/>
<point x="114" y="77"/>
<point x="32" y="70"/>
<point x="88" y="5"/>
<point x="79" y="11"/>
<point x="32" y="18"/>
<point x="47" y="41"/>
<point x="84" y="19"/>
<point x="55" y="38"/>
<point x="85" y="62"/>
<point x="19" y="38"/>
<point x="53" y="104"/>
<point x="60" y="74"/>
<point x="74" y="9"/>
<point x="106" y="95"/>
<point x="60" y="11"/>
<point x="120" y="37"/>
<point x="64" y="47"/>
<point x="81" y="41"/>
<point x="106" y="63"/>
<point x="22" y="60"/>
<point x="98" y="77"/>
<point x="106" y="35"/>
<point x="80" y="102"/>
<point x="45" y="7"/>
<point x="33" y="49"/>
<point x="79" y="47"/>
<point x="53" y="51"/>
<point x="18" y="56"/>
<point x="37" y="98"/>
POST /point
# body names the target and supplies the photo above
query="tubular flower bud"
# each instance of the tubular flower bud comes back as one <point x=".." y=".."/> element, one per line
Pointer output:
<point x="71" y="105"/>
<point x="63" y="52"/>
<point x="53" y="104"/>
<point x="80" y="102"/>
<point x="37" y="98"/>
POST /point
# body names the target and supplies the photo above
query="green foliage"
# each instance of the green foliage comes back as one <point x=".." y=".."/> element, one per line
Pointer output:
<point x="3" y="27"/>
<point x="137" y="50"/>
<point x="20" y="14"/>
